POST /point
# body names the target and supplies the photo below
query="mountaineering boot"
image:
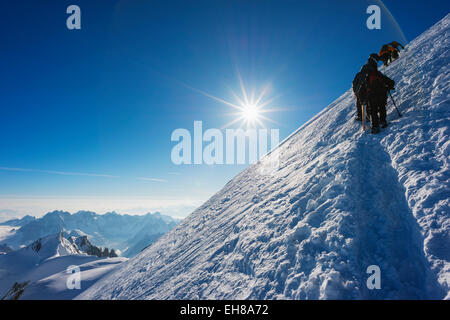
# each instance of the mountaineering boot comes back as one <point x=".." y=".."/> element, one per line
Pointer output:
<point x="375" y="130"/>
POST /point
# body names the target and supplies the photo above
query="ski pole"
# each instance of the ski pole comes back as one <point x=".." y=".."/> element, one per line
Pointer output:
<point x="393" y="101"/>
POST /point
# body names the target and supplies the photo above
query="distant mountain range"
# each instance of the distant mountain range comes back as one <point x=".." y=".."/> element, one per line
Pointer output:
<point x="128" y="234"/>
<point x="18" y="222"/>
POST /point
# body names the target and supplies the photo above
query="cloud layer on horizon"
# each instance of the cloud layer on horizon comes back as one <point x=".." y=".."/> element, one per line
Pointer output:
<point x="12" y="207"/>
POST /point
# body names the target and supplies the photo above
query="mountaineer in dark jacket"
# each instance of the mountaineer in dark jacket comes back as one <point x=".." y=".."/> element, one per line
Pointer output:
<point x="359" y="87"/>
<point x="373" y="92"/>
<point x="356" y="85"/>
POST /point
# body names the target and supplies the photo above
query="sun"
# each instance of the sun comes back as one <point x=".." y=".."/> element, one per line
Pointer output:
<point x="250" y="105"/>
<point x="250" y="112"/>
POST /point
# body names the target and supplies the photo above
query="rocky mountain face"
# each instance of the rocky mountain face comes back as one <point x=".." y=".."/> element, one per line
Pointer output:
<point x="83" y="245"/>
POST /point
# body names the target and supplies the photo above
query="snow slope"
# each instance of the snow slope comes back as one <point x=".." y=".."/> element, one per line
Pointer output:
<point x="340" y="201"/>
<point x="43" y="266"/>
<point x="54" y="286"/>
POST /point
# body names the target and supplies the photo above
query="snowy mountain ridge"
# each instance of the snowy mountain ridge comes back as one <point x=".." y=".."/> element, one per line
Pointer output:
<point x="340" y="201"/>
<point x="39" y="271"/>
<point x="50" y="247"/>
<point x="128" y="233"/>
<point x="84" y="246"/>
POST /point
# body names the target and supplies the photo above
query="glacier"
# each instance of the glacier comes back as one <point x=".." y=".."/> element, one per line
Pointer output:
<point x="340" y="201"/>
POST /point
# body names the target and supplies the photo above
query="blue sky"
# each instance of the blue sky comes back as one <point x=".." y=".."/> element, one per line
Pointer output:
<point x="87" y="115"/>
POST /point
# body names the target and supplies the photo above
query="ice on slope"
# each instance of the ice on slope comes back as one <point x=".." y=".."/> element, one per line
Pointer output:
<point x="340" y="201"/>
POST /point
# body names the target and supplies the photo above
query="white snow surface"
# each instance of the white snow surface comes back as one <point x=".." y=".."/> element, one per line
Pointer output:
<point x="43" y="264"/>
<point x="54" y="286"/>
<point x="340" y="201"/>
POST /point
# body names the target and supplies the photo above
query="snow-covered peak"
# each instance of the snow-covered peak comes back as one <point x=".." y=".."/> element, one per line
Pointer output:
<point x="341" y="201"/>
<point x="83" y="245"/>
<point x="51" y="246"/>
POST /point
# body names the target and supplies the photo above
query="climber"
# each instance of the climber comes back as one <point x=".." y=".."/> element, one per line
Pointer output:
<point x="386" y="54"/>
<point x="393" y="47"/>
<point x="356" y="85"/>
<point x="359" y="88"/>
<point x="374" y="92"/>
<point x="396" y="45"/>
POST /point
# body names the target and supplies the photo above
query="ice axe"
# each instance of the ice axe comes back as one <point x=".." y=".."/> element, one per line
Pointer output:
<point x="363" y="107"/>
<point x="393" y="101"/>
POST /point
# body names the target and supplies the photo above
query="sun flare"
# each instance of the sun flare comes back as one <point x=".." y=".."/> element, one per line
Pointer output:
<point x="250" y="108"/>
<point x="250" y="105"/>
<point x="250" y="112"/>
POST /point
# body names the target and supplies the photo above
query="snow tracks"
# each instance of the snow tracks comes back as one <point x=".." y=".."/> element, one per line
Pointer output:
<point x="387" y="234"/>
